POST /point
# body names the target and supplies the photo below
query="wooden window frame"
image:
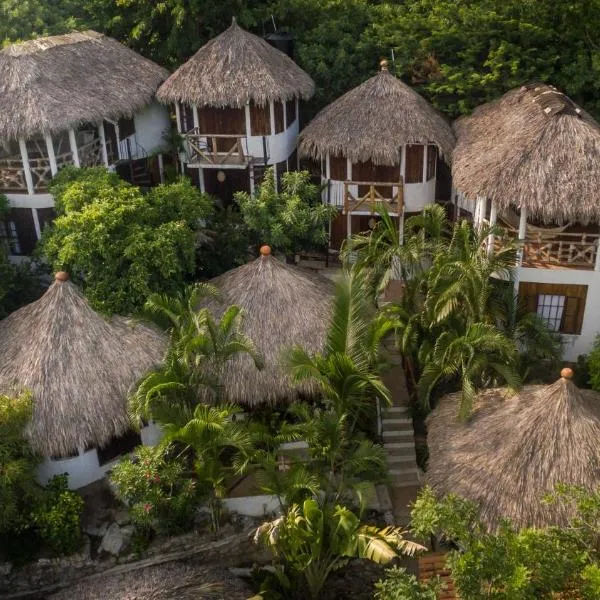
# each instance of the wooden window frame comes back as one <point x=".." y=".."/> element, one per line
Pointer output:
<point x="413" y="168"/>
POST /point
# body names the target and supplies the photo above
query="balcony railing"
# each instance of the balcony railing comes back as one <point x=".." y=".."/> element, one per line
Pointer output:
<point x="369" y="195"/>
<point x="214" y="149"/>
<point x="559" y="250"/>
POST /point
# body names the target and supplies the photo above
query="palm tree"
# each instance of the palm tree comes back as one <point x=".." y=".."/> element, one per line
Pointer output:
<point x="199" y="349"/>
<point x="215" y="438"/>
<point x="313" y="540"/>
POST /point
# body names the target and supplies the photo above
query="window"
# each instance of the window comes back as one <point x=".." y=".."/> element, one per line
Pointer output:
<point x="431" y="161"/>
<point x="413" y="170"/>
<point x="290" y="111"/>
<point x="260" y="119"/>
<point x="278" y="109"/>
<point x="9" y="237"/>
<point x="118" y="446"/>
<point x="562" y="306"/>
<point x="126" y="128"/>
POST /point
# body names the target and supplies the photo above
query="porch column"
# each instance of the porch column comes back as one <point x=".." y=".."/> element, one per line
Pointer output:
<point x="178" y="116"/>
<point x="403" y="163"/>
<point x="36" y="223"/>
<point x="285" y="119"/>
<point x="74" y="151"/>
<point x="248" y="119"/>
<point x="521" y="251"/>
<point x="493" y="219"/>
<point x="26" y="168"/>
<point x="195" y="115"/>
<point x="349" y="169"/>
<point x="102" y="135"/>
<point x="401" y="226"/>
<point x="161" y="168"/>
<point x="51" y="155"/>
<point x="201" y="179"/>
<point x="272" y="116"/>
<point x="425" y="150"/>
<point x="327" y="167"/>
<point x="597" y="265"/>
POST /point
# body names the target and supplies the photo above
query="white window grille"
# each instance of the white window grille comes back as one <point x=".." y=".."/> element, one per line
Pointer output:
<point x="551" y="308"/>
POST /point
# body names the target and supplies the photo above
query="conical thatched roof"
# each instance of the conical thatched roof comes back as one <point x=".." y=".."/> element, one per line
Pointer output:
<point x="234" y="68"/>
<point x="54" y="83"/>
<point x="78" y="365"/>
<point x="283" y="306"/>
<point x="533" y="147"/>
<point x="514" y="450"/>
<point x="373" y="121"/>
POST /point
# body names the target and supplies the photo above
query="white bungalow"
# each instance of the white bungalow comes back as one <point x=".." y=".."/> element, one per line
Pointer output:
<point x="237" y="104"/>
<point x="378" y="143"/>
<point x="79" y="368"/>
<point x="530" y="162"/>
<point x="79" y="99"/>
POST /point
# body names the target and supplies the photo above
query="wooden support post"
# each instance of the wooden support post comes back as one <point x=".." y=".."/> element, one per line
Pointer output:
<point x="201" y="178"/>
<point x="51" y="155"/>
<point x="74" y="151"/>
<point x="161" y="168"/>
<point x="26" y="167"/>
<point x="272" y="116"/>
<point x="493" y="219"/>
<point x="177" y="117"/>
<point x="248" y="119"/>
<point x="425" y="150"/>
<point x="36" y="223"/>
<point x="102" y="135"/>
<point x="195" y="116"/>
<point x="597" y="263"/>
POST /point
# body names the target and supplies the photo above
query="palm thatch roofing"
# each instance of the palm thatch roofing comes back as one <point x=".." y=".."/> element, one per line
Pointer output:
<point x="234" y="68"/>
<point x="283" y="306"/>
<point x="78" y="365"/>
<point x="534" y="147"/>
<point x="55" y="83"/>
<point x="514" y="450"/>
<point x="373" y="121"/>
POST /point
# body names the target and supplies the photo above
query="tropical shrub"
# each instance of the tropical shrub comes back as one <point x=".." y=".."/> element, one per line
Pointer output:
<point x="120" y="244"/>
<point x="157" y="488"/>
<point x="57" y="517"/>
<point x="593" y="365"/>
<point x="291" y="220"/>
<point x="400" y="585"/>
<point x="311" y="541"/>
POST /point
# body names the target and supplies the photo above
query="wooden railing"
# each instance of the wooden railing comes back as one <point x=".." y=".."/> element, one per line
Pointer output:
<point x="12" y="175"/>
<point x="215" y="149"/>
<point x="566" y="250"/>
<point x="377" y="193"/>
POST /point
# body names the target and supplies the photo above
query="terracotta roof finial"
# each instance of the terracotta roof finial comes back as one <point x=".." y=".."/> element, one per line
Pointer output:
<point x="384" y="65"/>
<point x="265" y="250"/>
<point x="567" y="373"/>
<point x="61" y="276"/>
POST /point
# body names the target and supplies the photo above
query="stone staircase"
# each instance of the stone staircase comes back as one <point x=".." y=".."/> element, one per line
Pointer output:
<point x="399" y="444"/>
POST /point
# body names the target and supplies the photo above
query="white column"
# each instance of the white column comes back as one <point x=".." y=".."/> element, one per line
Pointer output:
<point x="36" y="223"/>
<point x="348" y="169"/>
<point x="26" y="168"/>
<point x="493" y="219"/>
<point x="74" y="151"/>
<point x="251" y="171"/>
<point x="195" y="115"/>
<point x="102" y="135"/>
<point x="327" y="167"/>
<point x="522" y="235"/>
<point x="349" y="224"/>
<point x="118" y="137"/>
<point x="285" y="122"/>
<point x="248" y="119"/>
<point x="51" y="155"/>
<point x="425" y="150"/>
<point x="272" y="116"/>
<point x="161" y="168"/>
<point x="597" y="267"/>
<point x="177" y="117"/>
<point x="403" y="163"/>
<point x="401" y="226"/>
<point x="201" y="178"/>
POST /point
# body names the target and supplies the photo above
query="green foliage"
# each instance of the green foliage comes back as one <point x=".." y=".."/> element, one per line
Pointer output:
<point x="593" y="365"/>
<point x="57" y="516"/>
<point x="155" y="485"/>
<point x="400" y="585"/>
<point x="289" y="221"/>
<point x="313" y="540"/>
<point x="509" y="564"/>
<point x="121" y="243"/>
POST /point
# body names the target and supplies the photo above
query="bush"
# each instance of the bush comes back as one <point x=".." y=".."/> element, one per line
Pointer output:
<point x="593" y="364"/>
<point x="58" y="516"/>
<point x="160" y="495"/>
<point x="400" y="585"/>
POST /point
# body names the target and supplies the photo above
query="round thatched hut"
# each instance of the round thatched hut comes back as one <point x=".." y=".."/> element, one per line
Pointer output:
<point x="377" y="143"/>
<point x="237" y="107"/>
<point x="78" y="99"/>
<point x="79" y="367"/>
<point x="530" y="161"/>
<point x="283" y="306"/>
<point x="514" y="450"/>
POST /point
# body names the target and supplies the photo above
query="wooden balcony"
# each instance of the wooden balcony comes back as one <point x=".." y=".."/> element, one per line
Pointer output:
<point x="214" y="150"/>
<point x="368" y="196"/>
<point x="561" y="250"/>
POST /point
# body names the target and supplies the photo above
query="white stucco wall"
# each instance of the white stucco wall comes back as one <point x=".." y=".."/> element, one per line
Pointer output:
<point x="151" y="125"/>
<point x="574" y="345"/>
<point x="418" y="195"/>
<point x="279" y="146"/>
<point x="33" y="201"/>
<point x="253" y="506"/>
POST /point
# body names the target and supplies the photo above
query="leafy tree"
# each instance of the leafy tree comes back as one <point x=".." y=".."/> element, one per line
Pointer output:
<point x="199" y="349"/>
<point x="507" y="564"/>
<point x="593" y="365"/>
<point x="400" y="585"/>
<point x="312" y="541"/>
<point x="119" y="243"/>
<point x="291" y="220"/>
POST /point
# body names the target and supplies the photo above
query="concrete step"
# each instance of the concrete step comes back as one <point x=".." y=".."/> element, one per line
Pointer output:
<point x="408" y="450"/>
<point x="395" y="410"/>
<point x="390" y="424"/>
<point x="405" y="476"/>
<point x="402" y="460"/>
<point x="392" y="437"/>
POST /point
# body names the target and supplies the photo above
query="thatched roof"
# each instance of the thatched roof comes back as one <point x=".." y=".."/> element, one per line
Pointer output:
<point x="514" y="450"/>
<point x="52" y="84"/>
<point x="373" y="121"/>
<point x="78" y="365"/>
<point x="234" y="68"/>
<point x="283" y="306"/>
<point x="533" y="147"/>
